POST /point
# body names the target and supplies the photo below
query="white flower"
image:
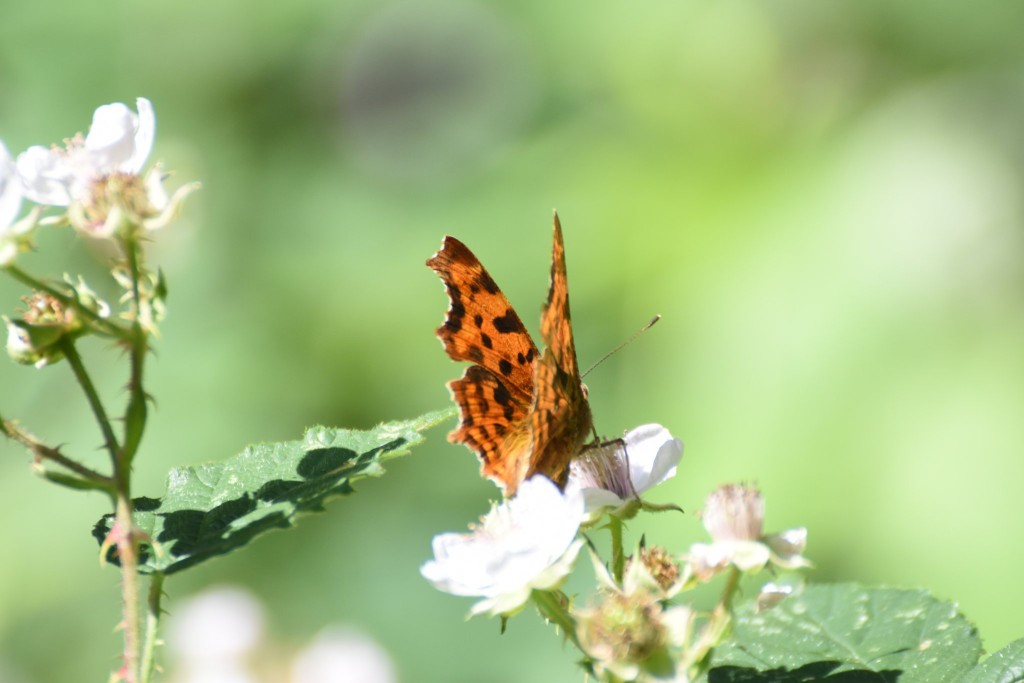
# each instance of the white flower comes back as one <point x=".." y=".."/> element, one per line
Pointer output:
<point x="734" y="517"/>
<point x="10" y="190"/>
<point x="527" y="542"/>
<point x="99" y="178"/>
<point x="119" y="141"/>
<point x="14" y="234"/>
<point x="615" y="474"/>
<point x="223" y="623"/>
<point x="341" y="655"/>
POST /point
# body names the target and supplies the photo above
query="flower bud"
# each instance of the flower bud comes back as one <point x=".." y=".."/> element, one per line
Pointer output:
<point x="734" y="512"/>
<point x="771" y="594"/>
<point x="662" y="567"/>
<point x="87" y="298"/>
<point x="623" y="632"/>
<point x="34" y="339"/>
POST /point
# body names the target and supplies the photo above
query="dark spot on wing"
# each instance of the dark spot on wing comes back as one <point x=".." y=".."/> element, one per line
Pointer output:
<point x="502" y="396"/>
<point x="478" y="320"/>
<point x="521" y="359"/>
<point x="487" y="283"/>
<point x="486" y="340"/>
<point x="506" y="323"/>
<point x="505" y="367"/>
<point x="475" y="354"/>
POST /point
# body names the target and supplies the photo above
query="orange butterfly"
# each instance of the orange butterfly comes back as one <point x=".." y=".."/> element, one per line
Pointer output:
<point x="523" y="412"/>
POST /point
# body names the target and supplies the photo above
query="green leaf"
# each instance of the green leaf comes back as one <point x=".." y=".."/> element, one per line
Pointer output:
<point x="851" y="634"/>
<point x="213" y="509"/>
<point x="1005" y="666"/>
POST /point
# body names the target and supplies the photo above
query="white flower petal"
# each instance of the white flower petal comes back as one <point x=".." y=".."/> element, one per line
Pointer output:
<point x="788" y="543"/>
<point x="521" y="544"/>
<point x="772" y="594"/>
<point x="10" y="190"/>
<point x="506" y="603"/>
<point x="45" y="175"/>
<point x="599" y="499"/>
<point x="552" y="577"/>
<point x="144" y="135"/>
<point x="110" y="144"/>
<point x="748" y="556"/>
<point x="614" y="474"/>
<point x="653" y="456"/>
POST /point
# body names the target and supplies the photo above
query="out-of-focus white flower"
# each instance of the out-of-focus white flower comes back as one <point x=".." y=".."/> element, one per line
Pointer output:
<point x="14" y="234"/>
<point x="219" y="625"/>
<point x="734" y="517"/>
<point x="341" y="655"/>
<point x="613" y="475"/>
<point x="10" y="190"/>
<point x="99" y="177"/>
<point x="527" y="542"/>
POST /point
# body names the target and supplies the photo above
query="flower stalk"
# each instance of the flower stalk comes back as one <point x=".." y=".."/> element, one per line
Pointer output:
<point x="67" y="347"/>
<point x="618" y="555"/>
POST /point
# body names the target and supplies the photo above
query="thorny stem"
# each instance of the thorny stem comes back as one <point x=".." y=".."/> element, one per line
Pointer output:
<point x="127" y="552"/>
<point x="618" y="557"/>
<point x="135" y="420"/>
<point x="109" y="327"/>
<point x="153" y="613"/>
<point x="44" y="452"/>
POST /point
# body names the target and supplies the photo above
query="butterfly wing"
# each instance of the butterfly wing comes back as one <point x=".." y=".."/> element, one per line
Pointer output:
<point x="495" y="394"/>
<point x="559" y="417"/>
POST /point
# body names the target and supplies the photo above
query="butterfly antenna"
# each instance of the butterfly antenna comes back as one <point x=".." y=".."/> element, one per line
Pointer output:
<point x="622" y="345"/>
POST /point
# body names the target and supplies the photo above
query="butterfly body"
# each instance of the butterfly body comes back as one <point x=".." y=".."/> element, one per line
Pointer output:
<point x="522" y="411"/>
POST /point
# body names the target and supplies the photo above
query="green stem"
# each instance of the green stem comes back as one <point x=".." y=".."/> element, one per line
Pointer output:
<point x="618" y="557"/>
<point x="551" y="606"/>
<point x="729" y="592"/>
<point x="135" y="414"/>
<point x="716" y="628"/>
<point x="44" y="452"/>
<point x="107" y="326"/>
<point x="67" y="347"/>
<point x="153" y="613"/>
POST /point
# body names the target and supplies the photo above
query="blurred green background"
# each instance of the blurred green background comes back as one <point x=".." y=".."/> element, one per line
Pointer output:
<point x="823" y="200"/>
